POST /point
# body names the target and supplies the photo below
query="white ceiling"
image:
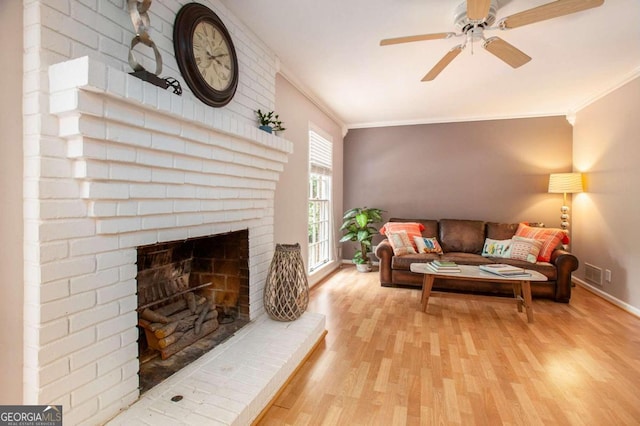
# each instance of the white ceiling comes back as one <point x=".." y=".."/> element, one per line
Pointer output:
<point x="331" y="49"/>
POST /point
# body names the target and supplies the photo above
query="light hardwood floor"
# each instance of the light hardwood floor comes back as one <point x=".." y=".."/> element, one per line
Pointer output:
<point x="468" y="360"/>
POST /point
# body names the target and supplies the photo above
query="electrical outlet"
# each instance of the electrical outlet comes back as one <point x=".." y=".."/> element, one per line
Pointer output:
<point x="607" y="275"/>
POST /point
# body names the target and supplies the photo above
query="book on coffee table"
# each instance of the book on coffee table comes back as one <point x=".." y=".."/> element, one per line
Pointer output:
<point x="443" y="266"/>
<point x="443" y="263"/>
<point x="504" y="270"/>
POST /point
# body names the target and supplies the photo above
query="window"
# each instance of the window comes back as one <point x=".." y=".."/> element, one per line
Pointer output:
<point x="320" y="154"/>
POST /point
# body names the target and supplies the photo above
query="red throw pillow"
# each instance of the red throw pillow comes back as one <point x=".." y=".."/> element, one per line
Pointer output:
<point x="550" y="238"/>
<point x="413" y="229"/>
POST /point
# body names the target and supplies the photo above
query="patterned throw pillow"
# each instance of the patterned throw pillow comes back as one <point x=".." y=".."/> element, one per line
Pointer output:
<point x="427" y="245"/>
<point x="401" y="243"/>
<point x="550" y="238"/>
<point x="525" y="249"/>
<point x="496" y="248"/>
<point x="413" y="229"/>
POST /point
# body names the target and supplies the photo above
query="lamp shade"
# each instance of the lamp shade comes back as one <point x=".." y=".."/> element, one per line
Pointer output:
<point x="565" y="183"/>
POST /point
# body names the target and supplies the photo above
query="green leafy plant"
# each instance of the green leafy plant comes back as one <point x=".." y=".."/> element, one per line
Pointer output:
<point x="270" y="119"/>
<point x="357" y="227"/>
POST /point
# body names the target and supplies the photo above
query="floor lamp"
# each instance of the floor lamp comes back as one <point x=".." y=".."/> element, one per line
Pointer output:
<point x="565" y="183"/>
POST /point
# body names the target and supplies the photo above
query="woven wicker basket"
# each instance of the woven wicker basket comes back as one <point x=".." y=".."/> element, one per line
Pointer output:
<point x="286" y="293"/>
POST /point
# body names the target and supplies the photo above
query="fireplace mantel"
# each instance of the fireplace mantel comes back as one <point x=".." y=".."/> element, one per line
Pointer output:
<point x="68" y="79"/>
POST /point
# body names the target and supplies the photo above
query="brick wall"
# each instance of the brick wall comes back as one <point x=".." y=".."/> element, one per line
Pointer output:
<point x="111" y="164"/>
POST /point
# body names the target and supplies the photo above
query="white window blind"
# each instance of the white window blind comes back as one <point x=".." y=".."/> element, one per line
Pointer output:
<point x="320" y="154"/>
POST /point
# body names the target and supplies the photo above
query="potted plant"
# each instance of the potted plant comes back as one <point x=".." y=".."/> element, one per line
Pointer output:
<point x="269" y="121"/>
<point x="357" y="225"/>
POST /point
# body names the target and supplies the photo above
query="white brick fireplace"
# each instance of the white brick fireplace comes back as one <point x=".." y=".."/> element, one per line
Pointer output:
<point x="135" y="165"/>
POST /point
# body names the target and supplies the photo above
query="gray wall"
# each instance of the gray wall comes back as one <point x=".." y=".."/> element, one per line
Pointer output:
<point x="11" y="299"/>
<point x="489" y="170"/>
<point x="607" y="231"/>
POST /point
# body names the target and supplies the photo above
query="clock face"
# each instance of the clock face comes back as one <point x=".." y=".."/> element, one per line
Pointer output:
<point x="205" y="54"/>
<point x="211" y="52"/>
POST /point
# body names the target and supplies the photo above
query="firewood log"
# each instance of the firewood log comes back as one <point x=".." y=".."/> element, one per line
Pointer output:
<point x="163" y="343"/>
<point x="166" y="330"/>
<point x="212" y="314"/>
<point x="152" y="316"/>
<point x="172" y="308"/>
<point x="143" y="323"/>
<point x="180" y="315"/>
<point x="199" y="309"/>
<point x="187" y="323"/>
<point x="188" y="338"/>
<point x="151" y="326"/>
<point x="198" y="324"/>
<point x="191" y="302"/>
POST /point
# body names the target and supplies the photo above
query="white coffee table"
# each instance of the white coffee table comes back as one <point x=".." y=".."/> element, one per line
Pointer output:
<point x="521" y="285"/>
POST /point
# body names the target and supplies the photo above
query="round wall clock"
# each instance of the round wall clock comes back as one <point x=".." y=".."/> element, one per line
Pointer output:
<point x="205" y="54"/>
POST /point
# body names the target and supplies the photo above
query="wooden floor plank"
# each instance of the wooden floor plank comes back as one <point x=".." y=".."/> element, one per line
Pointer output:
<point x="470" y="360"/>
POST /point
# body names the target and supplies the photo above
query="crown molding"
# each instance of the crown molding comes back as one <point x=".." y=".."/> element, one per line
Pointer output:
<point x="615" y="85"/>
<point x="451" y="120"/>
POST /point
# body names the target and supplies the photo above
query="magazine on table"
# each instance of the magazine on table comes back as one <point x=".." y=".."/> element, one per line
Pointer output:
<point x="504" y="270"/>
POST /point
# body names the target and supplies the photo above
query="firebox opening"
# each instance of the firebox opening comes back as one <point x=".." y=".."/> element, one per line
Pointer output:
<point x="192" y="295"/>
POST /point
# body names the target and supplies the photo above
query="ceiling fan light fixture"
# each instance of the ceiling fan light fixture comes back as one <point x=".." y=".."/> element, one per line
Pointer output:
<point x="475" y="34"/>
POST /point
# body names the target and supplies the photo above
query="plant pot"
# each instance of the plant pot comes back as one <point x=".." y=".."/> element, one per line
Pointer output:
<point x="267" y="129"/>
<point x="363" y="267"/>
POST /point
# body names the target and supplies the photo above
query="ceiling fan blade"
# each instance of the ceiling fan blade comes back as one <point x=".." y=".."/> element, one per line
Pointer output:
<point x="548" y="11"/>
<point x="505" y="51"/>
<point x="446" y="60"/>
<point x="477" y="10"/>
<point x="422" y="37"/>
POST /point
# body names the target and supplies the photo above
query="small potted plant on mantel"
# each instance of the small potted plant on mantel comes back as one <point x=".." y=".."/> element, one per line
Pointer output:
<point x="357" y="225"/>
<point x="269" y="121"/>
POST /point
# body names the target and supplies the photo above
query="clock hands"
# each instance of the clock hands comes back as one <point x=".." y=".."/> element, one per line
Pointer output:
<point x="215" y="58"/>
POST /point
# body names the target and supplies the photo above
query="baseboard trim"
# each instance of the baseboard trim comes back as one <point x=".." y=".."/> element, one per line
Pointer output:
<point x="609" y="298"/>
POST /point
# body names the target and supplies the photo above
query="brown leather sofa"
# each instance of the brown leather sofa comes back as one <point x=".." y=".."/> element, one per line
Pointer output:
<point x="462" y="242"/>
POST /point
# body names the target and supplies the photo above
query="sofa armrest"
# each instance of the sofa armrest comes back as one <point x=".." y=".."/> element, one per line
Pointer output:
<point x="384" y="252"/>
<point x="565" y="264"/>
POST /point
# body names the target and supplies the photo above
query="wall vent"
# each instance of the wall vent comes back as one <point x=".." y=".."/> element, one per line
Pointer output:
<point x="592" y="274"/>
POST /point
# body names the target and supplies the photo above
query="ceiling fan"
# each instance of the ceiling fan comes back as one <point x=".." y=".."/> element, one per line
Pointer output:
<point x="474" y="17"/>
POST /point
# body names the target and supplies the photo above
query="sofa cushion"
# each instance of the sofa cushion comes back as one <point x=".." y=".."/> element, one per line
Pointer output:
<point x="501" y="231"/>
<point x="550" y="238"/>
<point x="465" y="258"/>
<point x="465" y="236"/>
